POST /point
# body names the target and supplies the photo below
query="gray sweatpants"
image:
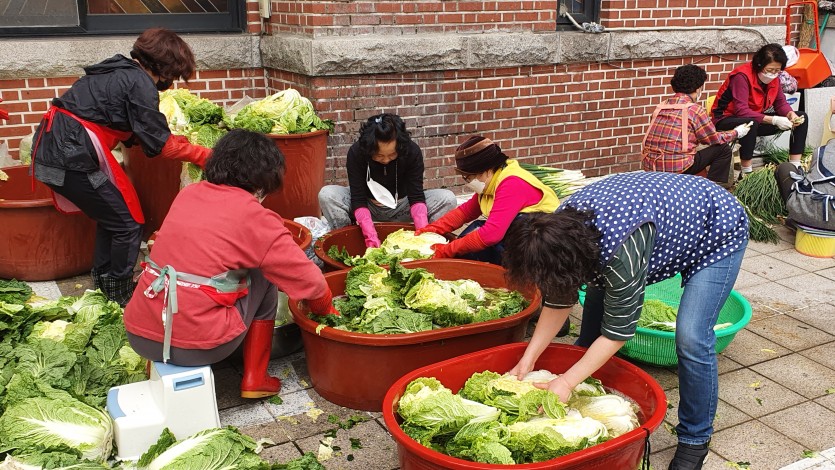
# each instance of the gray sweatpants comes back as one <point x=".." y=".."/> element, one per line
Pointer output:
<point x="335" y="202"/>
<point x="259" y="304"/>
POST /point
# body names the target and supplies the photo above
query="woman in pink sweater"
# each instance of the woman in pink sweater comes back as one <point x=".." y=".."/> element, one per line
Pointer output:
<point x="217" y="262"/>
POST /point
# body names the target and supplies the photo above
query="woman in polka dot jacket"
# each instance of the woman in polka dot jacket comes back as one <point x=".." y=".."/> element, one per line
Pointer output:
<point x="617" y="236"/>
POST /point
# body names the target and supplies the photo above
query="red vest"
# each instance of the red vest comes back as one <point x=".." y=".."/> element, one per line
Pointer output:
<point x="758" y="99"/>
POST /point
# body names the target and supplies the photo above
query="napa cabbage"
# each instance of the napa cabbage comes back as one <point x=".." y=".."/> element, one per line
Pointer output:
<point x="543" y="439"/>
<point x="402" y="245"/>
<point x="617" y="414"/>
<point x="212" y="449"/>
<point x="285" y="112"/>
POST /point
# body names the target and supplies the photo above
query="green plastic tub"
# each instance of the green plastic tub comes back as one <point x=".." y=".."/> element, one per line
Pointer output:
<point x="659" y="347"/>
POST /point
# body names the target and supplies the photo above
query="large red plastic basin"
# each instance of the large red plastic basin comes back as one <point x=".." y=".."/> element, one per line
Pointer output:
<point x="355" y="370"/>
<point x="301" y="234"/>
<point x="352" y="239"/>
<point x="38" y="242"/>
<point x="305" y="156"/>
<point x="621" y="453"/>
<point x="157" y="182"/>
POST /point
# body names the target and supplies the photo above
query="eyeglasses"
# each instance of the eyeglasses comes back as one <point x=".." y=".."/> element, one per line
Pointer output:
<point x="468" y="178"/>
<point x="772" y="71"/>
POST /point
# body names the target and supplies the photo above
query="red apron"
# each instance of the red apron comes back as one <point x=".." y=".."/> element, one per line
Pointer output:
<point x="104" y="139"/>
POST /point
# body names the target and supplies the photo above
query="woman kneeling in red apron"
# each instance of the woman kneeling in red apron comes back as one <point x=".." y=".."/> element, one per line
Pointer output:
<point x="211" y="281"/>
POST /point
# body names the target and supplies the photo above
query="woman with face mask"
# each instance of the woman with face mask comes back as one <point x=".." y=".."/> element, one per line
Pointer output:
<point x="385" y="182"/>
<point x="503" y="192"/>
<point x="117" y="100"/>
<point x="752" y="92"/>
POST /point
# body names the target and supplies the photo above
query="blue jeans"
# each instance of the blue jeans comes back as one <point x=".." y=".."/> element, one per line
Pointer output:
<point x="704" y="295"/>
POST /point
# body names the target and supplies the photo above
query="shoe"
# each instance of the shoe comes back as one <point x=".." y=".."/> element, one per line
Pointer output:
<point x="257" y="346"/>
<point x="566" y="327"/>
<point x="118" y="290"/>
<point x="689" y="456"/>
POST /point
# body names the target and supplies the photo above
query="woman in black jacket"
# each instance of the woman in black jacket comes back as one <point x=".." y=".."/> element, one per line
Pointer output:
<point x="116" y="100"/>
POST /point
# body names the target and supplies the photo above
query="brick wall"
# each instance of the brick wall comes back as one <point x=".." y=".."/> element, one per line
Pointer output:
<point x="405" y="17"/>
<point x="660" y="13"/>
<point x="581" y="116"/>
<point x="27" y="99"/>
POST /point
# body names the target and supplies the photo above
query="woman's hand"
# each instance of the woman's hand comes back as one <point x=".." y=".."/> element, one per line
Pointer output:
<point x="559" y="386"/>
<point x="521" y="368"/>
<point x="792" y="116"/>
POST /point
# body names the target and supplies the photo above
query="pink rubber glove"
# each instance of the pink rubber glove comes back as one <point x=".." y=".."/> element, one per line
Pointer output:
<point x="419" y="215"/>
<point x="363" y="216"/>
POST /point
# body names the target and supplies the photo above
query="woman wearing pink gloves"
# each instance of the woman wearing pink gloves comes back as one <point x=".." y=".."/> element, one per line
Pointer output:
<point x="385" y="182"/>
<point x="503" y="192"/>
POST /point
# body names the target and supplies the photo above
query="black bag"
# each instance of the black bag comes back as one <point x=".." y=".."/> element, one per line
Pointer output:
<point x="812" y="199"/>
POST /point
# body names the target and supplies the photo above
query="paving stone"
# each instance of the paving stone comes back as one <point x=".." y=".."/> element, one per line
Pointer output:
<point x="789" y="332"/>
<point x="281" y="453"/>
<point x="762" y="311"/>
<point x="228" y="388"/>
<point x="754" y="442"/>
<point x="808" y="424"/>
<point x="663" y="438"/>
<point x="745" y="279"/>
<point x="806" y="464"/>
<point x="749" y="348"/>
<point x="823" y="354"/>
<point x="799" y="374"/>
<point x="271" y="430"/>
<point x="75" y="286"/>
<point x="827" y="273"/>
<point x="379" y="451"/>
<point x="827" y="401"/>
<point x="755" y="394"/>
<point x="299" y="424"/>
<point x="726" y="364"/>
<point x="778" y="296"/>
<point x="821" y="316"/>
<point x="770" y="268"/>
<point x="809" y="263"/>
<point x="666" y="377"/>
<point x="823" y="288"/>
<point x="760" y="247"/>
<point x="245" y="415"/>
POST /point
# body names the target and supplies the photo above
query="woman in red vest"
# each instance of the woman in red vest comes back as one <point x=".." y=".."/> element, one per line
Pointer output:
<point x="752" y="92"/>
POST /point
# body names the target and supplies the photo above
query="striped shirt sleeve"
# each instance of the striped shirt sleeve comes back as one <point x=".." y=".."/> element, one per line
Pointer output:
<point x="625" y="279"/>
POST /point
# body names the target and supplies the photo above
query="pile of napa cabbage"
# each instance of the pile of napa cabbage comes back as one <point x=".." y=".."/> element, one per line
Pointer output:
<point x="499" y="419"/>
<point x="400" y="300"/>
<point x="402" y="245"/>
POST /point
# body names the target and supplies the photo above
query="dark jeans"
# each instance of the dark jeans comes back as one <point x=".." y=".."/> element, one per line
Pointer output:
<point x="797" y="142"/>
<point x="718" y="158"/>
<point x="259" y="304"/>
<point x="118" y="236"/>
<point x="491" y="254"/>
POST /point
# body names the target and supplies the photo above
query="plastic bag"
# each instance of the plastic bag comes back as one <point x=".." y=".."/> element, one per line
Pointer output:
<point x="788" y="83"/>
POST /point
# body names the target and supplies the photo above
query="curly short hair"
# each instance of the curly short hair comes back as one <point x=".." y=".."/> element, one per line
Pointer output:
<point x="247" y="160"/>
<point x="165" y="54"/>
<point x="688" y="78"/>
<point x="768" y="54"/>
<point x="383" y="128"/>
<point x="558" y="252"/>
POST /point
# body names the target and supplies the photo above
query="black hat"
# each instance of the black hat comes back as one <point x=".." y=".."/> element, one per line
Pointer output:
<point x="477" y="155"/>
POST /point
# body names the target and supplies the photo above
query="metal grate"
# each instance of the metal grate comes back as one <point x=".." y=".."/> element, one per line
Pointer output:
<point x="145" y="7"/>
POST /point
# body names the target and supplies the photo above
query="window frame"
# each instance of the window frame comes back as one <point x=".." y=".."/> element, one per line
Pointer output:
<point x="590" y="15"/>
<point x="233" y="21"/>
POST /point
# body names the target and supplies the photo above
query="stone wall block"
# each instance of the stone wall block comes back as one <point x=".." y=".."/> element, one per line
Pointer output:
<point x="225" y="52"/>
<point x="584" y="47"/>
<point x="503" y="50"/>
<point x="647" y="44"/>
<point x="386" y="54"/>
<point x="289" y="53"/>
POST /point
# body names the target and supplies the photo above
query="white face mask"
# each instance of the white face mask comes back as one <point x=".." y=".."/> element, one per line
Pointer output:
<point x="766" y="77"/>
<point x="476" y="186"/>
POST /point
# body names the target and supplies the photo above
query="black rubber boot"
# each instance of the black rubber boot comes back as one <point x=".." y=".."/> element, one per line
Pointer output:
<point x="689" y="456"/>
<point x="566" y="327"/>
<point x="118" y="290"/>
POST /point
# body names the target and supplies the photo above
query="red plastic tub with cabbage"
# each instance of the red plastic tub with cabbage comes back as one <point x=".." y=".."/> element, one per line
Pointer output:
<point x="355" y="370"/>
<point x="621" y="453"/>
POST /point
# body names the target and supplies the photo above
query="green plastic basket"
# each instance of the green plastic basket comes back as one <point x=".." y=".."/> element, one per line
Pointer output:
<point x="659" y="347"/>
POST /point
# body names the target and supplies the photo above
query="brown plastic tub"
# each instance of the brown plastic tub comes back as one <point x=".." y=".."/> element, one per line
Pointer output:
<point x="305" y="156"/>
<point x="355" y="370"/>
<point x="38" y="242"/>
<point x="352" y="239"/>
